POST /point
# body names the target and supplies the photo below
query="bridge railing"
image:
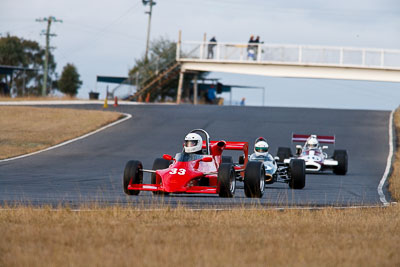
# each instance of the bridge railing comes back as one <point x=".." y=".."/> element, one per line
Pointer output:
<point x="290" y="54"/>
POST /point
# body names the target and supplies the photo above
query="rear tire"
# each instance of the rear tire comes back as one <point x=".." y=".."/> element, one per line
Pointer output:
<point x="227" y="159"/>
<point x="283" y="153"/>
<point x="159" y="164"/>
<point x="132" y="173"/>
<point x="342" y="159"/>
<point x="226" y="180"/>
<point x="297" y="173"/>
<point x="254" y="179"/>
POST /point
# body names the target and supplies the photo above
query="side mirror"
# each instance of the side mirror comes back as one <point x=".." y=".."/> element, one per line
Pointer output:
<point x="276" y="158"/>
<point x="207" y="159"/>
<point x="167" y="157"/>
<point x="324" y="147"/>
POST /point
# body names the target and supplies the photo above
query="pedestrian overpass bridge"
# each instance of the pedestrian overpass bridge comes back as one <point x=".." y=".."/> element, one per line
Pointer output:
<point x="295" y="61"/>
<point x="275" y="60"/>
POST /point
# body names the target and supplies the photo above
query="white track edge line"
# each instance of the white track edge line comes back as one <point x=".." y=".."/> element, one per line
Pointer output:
<point x="388" y="163"/>
<point x="127" y="117"/>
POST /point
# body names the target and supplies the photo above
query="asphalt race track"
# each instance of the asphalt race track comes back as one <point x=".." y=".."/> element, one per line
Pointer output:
<point x="90" y="170"/>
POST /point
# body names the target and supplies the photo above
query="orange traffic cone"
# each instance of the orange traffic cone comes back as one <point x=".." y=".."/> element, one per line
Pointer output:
<point x="148" y="98"/>
<point x="115" y="101"/>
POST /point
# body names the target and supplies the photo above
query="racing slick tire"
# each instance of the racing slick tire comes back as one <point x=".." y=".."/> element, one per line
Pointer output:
<point x="132" y="172"/>
<point x="341" y="157"/>
<point x="283" y="153"/>
<point x="226" y="180"/>
<point x="159" y="164"/>
<point x="297" y="174"/>
<point x="227" y="159"/>
<point x="254" y="179"/>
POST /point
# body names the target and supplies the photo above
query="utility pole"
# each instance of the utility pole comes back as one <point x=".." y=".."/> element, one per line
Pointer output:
<point x="49" y="20"/>
<point x="151" y="3"/>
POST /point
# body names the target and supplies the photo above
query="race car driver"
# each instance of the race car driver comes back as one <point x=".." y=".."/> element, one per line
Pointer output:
<point x="312" y="142"/>
<point x="261" y="151"/>
<point x="193" y="143"/>
<point x="261" y="154"/>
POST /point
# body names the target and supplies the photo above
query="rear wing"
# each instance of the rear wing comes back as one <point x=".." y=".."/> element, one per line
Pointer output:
<point x="323" y="139"/>
<point x="216" y="147"/>
<point x="244" y="146"/>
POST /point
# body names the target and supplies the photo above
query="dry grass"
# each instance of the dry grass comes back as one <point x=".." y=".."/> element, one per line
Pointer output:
<point x="28" y="129"/>
<point x="37" y="98"/>
<point x="394" y="181"/>
<point x="127" y="237"/>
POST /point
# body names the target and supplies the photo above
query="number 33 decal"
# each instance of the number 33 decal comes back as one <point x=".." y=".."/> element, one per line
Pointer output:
<point x="175" y="171"/>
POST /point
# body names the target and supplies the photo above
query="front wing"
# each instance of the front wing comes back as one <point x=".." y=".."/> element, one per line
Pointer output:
<point x="159" y="188"/>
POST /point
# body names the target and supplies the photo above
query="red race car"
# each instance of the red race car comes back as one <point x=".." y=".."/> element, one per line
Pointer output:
<point x="199" y="168"/>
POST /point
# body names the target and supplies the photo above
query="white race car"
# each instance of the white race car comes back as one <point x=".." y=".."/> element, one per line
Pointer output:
<point x="315" y="157"/>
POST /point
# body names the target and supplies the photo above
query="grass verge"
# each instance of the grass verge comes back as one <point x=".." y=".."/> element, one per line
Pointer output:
<point x="36" y="98"/>
<point x="394" y="180"/>
<point x="28" y="129"/>
<point x="118" y="236"/>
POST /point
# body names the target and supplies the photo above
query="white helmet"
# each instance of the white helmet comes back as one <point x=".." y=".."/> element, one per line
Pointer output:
<point x="261" y="147"/>
<point x="312" y="142"/>
<point x="193" y="143"/>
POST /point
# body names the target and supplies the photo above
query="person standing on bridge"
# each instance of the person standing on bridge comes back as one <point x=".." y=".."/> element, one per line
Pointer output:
<point x="211" y="45"/>
<point x="257" y="43"/>
<point x="250" y="48"/>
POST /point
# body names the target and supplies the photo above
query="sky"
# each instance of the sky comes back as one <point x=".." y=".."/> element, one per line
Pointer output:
<point x="105" y="38"/>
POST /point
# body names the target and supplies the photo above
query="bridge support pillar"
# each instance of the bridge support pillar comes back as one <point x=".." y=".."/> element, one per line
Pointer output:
<point x="180" y="84"/>
<point x="195" y="91"/>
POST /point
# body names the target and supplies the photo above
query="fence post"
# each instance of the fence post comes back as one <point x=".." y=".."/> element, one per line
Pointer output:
<point x="300" y="53"/>
<point x="341" y="56"/>
<point x="195" y="91"/>
<point x="363" y="57"/>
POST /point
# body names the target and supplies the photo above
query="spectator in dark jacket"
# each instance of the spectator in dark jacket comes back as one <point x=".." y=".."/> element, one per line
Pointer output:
<point x="211" y="45"/>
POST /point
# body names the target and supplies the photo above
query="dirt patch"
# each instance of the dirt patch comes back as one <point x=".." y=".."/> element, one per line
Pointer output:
<point x="28" y="129"/>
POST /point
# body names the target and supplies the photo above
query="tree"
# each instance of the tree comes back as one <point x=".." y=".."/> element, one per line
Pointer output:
<point x="17" y="52"/>
<point x="162" y="54"/>
<point x="69" y="82"/>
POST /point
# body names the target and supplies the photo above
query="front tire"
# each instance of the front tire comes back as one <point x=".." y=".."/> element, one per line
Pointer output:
<point x="297" y="173"/>
<point x="254" y="179"/>
<point x="341" y="157"/>
<point x="132" y="174"/>
<point x="283" y="153"/>
<point x="159" y="164"/>
<point x="226" y="180"/>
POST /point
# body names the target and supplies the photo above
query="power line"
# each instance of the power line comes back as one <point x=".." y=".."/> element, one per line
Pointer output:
<point x="98" y="32"/>
<point x="49" y="20"/>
